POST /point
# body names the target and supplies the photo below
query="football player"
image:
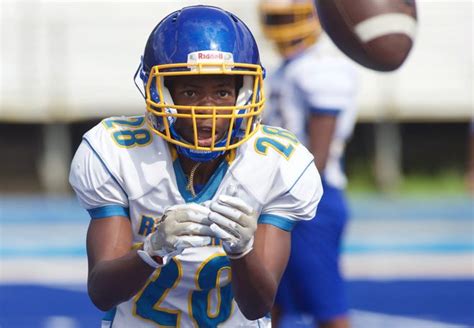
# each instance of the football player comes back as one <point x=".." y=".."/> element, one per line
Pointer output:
<point x="312" y="94"/>
<point x="192" y="204"/>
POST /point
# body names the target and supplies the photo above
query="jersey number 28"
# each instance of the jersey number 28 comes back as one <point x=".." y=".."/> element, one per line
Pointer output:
<point x="204" y="314"/>
<point x="282" y="141"/>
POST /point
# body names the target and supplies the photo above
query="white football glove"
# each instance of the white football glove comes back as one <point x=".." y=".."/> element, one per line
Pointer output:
<point x="181" y="226"/>
<point x="235" y="223"/>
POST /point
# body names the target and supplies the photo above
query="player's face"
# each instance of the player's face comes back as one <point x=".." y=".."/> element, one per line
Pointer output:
<point x="204" y="90"/>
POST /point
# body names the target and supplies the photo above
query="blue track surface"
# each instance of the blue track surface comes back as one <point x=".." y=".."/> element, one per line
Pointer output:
<point x="437" y="300"/>
<point x="380" y="226"/>
<point x="31" y="306"/>
<point x="450" y="301"/>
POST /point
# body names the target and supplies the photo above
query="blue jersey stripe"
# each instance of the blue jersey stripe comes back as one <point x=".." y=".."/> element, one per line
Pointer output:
<point x="324" y="111"/>
<point x="107" y="211"/>
<point x="277" y="221"/>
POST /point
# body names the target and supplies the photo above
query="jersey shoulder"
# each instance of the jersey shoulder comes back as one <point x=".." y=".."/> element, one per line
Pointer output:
<point x="125" y="132"/>
<point x="131" y="152"/>
<point x="320" y="63"/>
<point x="275" y="146"/>
<point x="273" y="158"/>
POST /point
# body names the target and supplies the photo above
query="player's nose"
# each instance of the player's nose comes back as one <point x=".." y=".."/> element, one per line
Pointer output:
<point x="206" y="100"/>
<point x="205" y="105"/>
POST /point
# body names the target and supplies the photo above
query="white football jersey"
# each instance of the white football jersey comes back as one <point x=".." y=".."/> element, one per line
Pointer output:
<point x="319" y="80"/>
<point x="122" y="168"/>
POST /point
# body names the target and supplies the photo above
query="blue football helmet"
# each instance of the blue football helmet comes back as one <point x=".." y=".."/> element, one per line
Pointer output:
<point x="202" y="40"/>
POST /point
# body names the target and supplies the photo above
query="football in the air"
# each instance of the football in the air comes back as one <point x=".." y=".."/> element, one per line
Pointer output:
<point x="377" y="34"/>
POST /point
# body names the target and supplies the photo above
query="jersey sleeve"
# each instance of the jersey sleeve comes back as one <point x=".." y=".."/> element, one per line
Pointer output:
<point x="96" y="188"/>
<point x="298" y="203"/>
<point x="329" y="86"/>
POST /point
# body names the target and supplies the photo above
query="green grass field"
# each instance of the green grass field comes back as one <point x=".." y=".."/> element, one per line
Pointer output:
<point x="447" y="183"/>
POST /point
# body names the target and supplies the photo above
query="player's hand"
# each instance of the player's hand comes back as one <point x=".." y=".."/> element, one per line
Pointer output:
<point x="235" y="223"/>
<point x="181" y="226"/>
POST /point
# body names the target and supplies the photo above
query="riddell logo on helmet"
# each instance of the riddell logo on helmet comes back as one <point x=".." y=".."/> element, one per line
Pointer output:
<point x="218" y="55"/>
<point x="210" y="56"/>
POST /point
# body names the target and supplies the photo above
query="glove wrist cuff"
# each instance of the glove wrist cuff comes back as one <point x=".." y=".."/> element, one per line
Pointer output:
<point x="148" y="259"/>
<point x="239" y="255"/>
<point x="153" y="255"/>
<point x="234" y="255"/>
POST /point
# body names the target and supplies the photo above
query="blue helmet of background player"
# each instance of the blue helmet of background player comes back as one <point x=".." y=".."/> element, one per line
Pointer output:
<point x="291" y="24"/>
<point x="202" y="40"/>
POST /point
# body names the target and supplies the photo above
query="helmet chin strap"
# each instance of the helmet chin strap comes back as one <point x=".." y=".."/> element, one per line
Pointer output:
<point x="199" y="155"/>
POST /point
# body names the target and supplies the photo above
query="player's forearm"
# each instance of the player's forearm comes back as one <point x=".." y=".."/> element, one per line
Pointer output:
<point x="113" y="282"/>
<point x="253" y="285"/>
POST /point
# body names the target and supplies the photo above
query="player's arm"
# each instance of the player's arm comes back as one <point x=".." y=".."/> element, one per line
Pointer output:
<point x="116" y="273"/>
<point x="255" y="277"/>
<point x="321" y="130"/>
<point x="259" y="253"/>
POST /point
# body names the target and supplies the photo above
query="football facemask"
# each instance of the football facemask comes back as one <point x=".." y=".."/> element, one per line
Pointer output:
<point x="243" y="117"/>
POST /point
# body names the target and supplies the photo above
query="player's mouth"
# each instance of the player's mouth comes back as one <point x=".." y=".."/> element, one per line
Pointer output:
<point x="205" y="136"/>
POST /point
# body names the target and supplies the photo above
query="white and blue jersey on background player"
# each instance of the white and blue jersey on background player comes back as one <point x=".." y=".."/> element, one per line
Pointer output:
<point x="319" y="80"/>
<point x="122" y="168"/>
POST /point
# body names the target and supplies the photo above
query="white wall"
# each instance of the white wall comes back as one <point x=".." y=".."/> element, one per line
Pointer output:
<point x="70" y="60"/>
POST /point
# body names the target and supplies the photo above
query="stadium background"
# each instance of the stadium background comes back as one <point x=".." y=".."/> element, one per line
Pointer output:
<point x="409" y="249"/>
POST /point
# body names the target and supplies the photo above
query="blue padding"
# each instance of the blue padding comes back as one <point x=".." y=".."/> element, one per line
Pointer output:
<point x="277" y="221"/>
<point x="324" y="111"/>
<point x="107" y="211"/>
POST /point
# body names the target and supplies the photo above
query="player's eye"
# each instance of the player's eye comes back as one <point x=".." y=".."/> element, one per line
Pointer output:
<point x="189" y="93"/>
<point x="225" y="93"/>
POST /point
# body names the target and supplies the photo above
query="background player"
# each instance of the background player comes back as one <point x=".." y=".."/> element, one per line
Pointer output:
<point x="312" y="94"/>
<point x="196" y="170"/>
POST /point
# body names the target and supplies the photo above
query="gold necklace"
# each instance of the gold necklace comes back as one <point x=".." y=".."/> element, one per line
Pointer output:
<point x="190" y="185"/>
